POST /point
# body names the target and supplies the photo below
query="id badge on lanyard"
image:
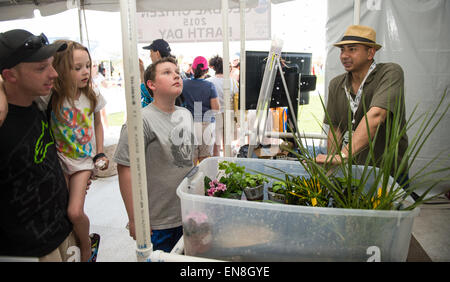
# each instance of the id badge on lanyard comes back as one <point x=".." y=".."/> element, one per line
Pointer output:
<point x="354" y="103"/>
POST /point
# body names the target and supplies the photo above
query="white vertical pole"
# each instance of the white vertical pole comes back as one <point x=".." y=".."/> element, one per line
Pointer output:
<point x="226" y="81"/>
<point x="135" y="129"/>
<point x="242" y="75"/>
<point x="356" y="12"/>
<point x="80" y="24"/>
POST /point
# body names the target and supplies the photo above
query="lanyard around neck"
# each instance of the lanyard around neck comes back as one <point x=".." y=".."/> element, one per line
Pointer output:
<point x="354" y="103"/>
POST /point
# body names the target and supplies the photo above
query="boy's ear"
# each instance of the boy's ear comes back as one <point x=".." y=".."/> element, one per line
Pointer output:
<point x="151" y="85"/>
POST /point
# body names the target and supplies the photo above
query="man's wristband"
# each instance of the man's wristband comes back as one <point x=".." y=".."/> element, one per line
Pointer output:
<point x="99" y="155"/>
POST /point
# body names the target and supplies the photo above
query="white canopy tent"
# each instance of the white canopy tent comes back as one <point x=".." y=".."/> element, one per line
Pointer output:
<point x="22" y="9"/>
<point x="397" y="15"/>
<point x="18" y="9"/>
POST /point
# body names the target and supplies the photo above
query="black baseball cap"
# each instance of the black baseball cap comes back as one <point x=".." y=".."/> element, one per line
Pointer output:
<point x="18" y="45"/>
<point x="159" y="45"/>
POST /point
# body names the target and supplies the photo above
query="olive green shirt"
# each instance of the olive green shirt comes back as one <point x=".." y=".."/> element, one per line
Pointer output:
<point x="384" y="88"/>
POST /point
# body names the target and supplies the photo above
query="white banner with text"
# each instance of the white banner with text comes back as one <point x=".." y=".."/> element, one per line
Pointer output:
<point x="202" y="25"/>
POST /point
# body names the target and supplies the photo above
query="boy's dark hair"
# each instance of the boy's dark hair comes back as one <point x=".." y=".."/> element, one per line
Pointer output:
<point x="150" y="71"/>
<point x="216" y="63"/>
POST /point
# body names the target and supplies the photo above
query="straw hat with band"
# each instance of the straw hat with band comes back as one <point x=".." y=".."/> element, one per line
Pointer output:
<point x="359" y="34"/>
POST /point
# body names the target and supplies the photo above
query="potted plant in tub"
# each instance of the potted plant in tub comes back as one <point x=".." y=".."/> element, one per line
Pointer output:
<point x="277" y="192"/>
<point x="232" y="180"/>
<point x="346" y="185"/>
<point x="254" y="186"/>
<point x="229" y="182"/>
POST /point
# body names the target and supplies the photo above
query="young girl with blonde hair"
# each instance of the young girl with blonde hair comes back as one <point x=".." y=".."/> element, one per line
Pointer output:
<point x="78" y="132"/>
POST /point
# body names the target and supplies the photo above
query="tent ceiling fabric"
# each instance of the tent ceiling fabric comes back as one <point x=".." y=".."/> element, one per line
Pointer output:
<point x="22" y="9"/>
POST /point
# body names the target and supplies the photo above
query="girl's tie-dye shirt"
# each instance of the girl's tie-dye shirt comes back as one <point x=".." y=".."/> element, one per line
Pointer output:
<point x="75" y="137"/>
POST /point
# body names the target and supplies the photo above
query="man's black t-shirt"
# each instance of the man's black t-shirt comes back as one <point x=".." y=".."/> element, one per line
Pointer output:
<point x="33" y="191"/>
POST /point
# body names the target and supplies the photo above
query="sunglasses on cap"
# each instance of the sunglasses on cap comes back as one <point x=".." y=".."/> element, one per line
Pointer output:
<point x="23" y="51"/>
<point x="31" y="43"/>
<point x="35" y="42"/>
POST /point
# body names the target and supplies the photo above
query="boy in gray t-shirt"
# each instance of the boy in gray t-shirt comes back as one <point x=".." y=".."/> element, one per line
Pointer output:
<point x="168" y="140"/>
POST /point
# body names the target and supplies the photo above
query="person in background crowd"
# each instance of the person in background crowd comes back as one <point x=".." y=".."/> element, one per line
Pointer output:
<point x="235" y="67"/>
<point x="158" y="49"/>
<point x="98" y="82"/>
<point x="216" y="63"/>
<point x="201" y="100"/>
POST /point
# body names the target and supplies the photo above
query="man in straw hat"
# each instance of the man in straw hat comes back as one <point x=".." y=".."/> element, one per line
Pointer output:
<point x="366" y="87"/>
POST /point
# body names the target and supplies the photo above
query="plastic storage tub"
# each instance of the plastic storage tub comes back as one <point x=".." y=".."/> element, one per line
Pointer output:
<point x="240" y="230"/>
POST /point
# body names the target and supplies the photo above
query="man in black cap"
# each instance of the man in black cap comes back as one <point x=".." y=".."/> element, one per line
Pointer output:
<point x="158" y="49"/>
<point x="33" y="194"/>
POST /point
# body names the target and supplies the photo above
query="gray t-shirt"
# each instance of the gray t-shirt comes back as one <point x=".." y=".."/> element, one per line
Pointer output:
<point x="169" y="143"/>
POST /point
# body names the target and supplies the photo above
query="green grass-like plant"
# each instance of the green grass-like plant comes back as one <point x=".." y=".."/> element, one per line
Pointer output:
<point x="341" y="188"/>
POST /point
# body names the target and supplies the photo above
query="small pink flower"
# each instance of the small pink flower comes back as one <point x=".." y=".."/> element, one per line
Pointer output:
<point x="216" y="186"/>
<point x="222" y="187"/>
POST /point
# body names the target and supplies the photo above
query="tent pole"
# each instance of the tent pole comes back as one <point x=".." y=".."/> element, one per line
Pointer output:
<point x="80" y="25"/>
<point x="135" y="129"/>
<point x="242" y="75"/>
<point x="226" y="81"/>
<point x="356" y="11"/>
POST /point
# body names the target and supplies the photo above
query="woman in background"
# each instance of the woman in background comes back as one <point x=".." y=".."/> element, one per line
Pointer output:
<point x="200" y="98"/>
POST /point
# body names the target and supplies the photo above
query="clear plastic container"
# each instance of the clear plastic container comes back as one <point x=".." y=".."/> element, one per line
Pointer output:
<point x="240" y="230"/>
